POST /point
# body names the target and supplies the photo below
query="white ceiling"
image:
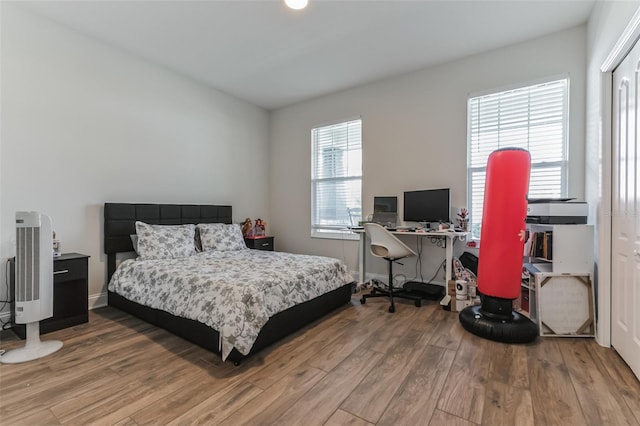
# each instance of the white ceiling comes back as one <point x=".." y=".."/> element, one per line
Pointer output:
<point x="271" y="56"/>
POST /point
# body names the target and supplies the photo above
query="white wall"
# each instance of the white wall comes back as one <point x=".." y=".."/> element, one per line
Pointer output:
<point x="84" y="124"/>
<point x="414" y="134"/>
<point x="606" y="24"/>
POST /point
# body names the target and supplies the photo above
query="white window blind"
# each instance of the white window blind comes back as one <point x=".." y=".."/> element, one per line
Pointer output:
<point x="534" y="118"/>
<point x="336" y="176"/>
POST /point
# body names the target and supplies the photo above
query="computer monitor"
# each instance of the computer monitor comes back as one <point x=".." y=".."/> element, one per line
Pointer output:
<point x="385" y="204"/>
<point x="429" y="205"/>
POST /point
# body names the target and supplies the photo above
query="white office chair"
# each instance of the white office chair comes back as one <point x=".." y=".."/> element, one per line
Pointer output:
<point x="387" y="246"/>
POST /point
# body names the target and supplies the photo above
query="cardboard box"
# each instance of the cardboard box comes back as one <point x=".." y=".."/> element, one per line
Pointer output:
<point x="451" y="291"/>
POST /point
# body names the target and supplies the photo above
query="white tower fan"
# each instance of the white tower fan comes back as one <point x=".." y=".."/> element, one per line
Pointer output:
<point x="34" y="285"/>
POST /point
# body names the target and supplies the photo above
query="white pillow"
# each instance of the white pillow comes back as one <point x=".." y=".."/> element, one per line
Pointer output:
<point x="221" y="237"/>
<point x="165" y="241"/>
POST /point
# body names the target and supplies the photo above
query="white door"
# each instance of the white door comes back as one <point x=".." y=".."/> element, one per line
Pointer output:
<point x="625" y="203"/>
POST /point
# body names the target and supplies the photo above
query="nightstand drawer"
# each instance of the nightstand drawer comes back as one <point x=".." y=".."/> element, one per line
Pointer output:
<point x="264" y="243"/>
<point x="69" y="270"/>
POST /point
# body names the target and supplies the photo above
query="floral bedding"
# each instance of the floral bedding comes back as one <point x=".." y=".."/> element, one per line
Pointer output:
<point x="234" y="292"/>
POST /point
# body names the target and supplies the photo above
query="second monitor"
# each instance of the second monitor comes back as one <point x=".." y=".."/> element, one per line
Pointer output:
<point x="385" y="211"/>
<point x="429" y="205"/>
<point x="385" y="204"/>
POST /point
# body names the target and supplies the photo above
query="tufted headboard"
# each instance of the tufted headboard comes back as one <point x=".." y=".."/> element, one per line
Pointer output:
<point x="120" y="222"/>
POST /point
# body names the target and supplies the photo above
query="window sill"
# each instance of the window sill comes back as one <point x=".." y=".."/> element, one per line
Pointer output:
<point x="338" y="235"/>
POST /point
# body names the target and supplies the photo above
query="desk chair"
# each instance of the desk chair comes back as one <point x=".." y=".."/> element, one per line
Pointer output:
<point x="387" y="246"/>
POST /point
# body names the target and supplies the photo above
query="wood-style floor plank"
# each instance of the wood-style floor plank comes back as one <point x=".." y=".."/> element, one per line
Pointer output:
<point x="346" y="342"/>
<point x="360" y="365"/>
<point x="82" y="410"/>
<point x="138" y="401"/>
<point x="619" y="375"/>
<point x="610" y="408"/>
<point x="220" y="405"/>
<point x="440" y="418"/>
<point x="509" y="364"/>
<point x="125" y="422"/>
<point x="507" y="405"/>
<point x="464" y="391"/>
<point x="447" y="333"/>
<point x="265" y="408"/>
<point x="183" y="399"/>
<point x="322" y="400"/>
<point x="282" y="359"/>
<point x="52" y="389"/>
<point x="393" y="326"/>
<point x="415" y="400"/>
<point x="38" y="416"/>
<point x="553" y="394"/>
<point x="367" y="401"/>
<point x="342" y="418"/>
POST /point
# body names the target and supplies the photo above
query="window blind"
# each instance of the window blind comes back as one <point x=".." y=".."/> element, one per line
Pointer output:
<point x="336" y="176"/>
<point x="534" y="118"/>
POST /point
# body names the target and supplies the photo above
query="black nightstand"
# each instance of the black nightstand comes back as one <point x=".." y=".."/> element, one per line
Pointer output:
<point x="260" y="243"/>
<point x="70" y="293"/>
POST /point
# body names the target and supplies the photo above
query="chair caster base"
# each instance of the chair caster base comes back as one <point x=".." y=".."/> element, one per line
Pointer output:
<point x="392" y="309"/>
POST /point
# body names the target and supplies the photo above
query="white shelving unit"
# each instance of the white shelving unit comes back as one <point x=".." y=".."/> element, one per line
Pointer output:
<point x="572" y="248"/>
<point x="557" y="289"/>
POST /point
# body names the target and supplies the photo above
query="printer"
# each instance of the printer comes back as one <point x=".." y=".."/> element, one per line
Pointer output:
<point x="557" y="212"/>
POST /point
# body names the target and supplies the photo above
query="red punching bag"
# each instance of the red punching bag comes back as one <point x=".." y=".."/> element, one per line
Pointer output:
<point x="501" y="247"/>
<point x="503" y="223"/>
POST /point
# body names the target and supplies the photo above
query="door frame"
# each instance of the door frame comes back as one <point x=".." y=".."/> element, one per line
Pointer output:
<point x="618" y="53"/>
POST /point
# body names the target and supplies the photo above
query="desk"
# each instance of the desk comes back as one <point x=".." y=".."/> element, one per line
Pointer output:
<point x="450" y="238"/>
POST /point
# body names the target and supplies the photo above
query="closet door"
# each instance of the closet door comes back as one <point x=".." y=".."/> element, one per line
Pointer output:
<point x="625" y="244"/>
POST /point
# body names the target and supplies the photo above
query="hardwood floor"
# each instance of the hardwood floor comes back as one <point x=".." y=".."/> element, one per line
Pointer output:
<point x="358" y="366"/>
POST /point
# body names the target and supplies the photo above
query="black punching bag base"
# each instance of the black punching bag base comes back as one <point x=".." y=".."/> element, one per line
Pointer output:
<point x="518" y="329"/>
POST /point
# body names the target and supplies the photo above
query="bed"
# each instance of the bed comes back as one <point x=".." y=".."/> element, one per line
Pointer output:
<point x="237" y="301"/>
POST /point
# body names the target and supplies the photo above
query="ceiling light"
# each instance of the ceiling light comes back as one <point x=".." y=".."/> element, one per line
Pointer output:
<point x="296" y="4"/>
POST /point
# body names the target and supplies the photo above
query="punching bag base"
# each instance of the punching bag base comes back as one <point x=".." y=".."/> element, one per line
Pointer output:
<point x="518" y="329"/>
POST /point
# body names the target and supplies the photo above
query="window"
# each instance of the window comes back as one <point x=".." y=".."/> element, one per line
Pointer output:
<point x="534" y="118"/>
<point x="336" y="177"/>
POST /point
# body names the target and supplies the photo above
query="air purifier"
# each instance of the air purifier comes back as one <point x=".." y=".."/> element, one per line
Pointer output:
<point x="33" y="285"/>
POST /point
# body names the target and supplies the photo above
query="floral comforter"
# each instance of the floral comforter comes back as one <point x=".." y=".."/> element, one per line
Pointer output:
<point x="234" y="292"/>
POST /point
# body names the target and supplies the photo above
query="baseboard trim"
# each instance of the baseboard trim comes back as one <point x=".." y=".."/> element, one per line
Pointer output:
<point x="95" y="301"/>
<point x="5" y="317"/>
<point x="98" y="300"/>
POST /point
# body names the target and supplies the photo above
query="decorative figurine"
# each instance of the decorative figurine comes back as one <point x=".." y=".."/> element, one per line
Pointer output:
<point x="246" y="227"/>
<point x="259" y="228"/>
<point x="463" y="219"/>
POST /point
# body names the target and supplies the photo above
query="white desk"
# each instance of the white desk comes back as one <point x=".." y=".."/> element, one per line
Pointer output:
<point x="450" y="238"/>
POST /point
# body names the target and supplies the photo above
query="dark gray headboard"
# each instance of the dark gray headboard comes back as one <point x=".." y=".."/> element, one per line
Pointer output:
<point x="120" y="222"/>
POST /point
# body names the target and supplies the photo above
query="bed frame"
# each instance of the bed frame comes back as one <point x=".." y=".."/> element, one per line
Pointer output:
<point x="119" y="225"/>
